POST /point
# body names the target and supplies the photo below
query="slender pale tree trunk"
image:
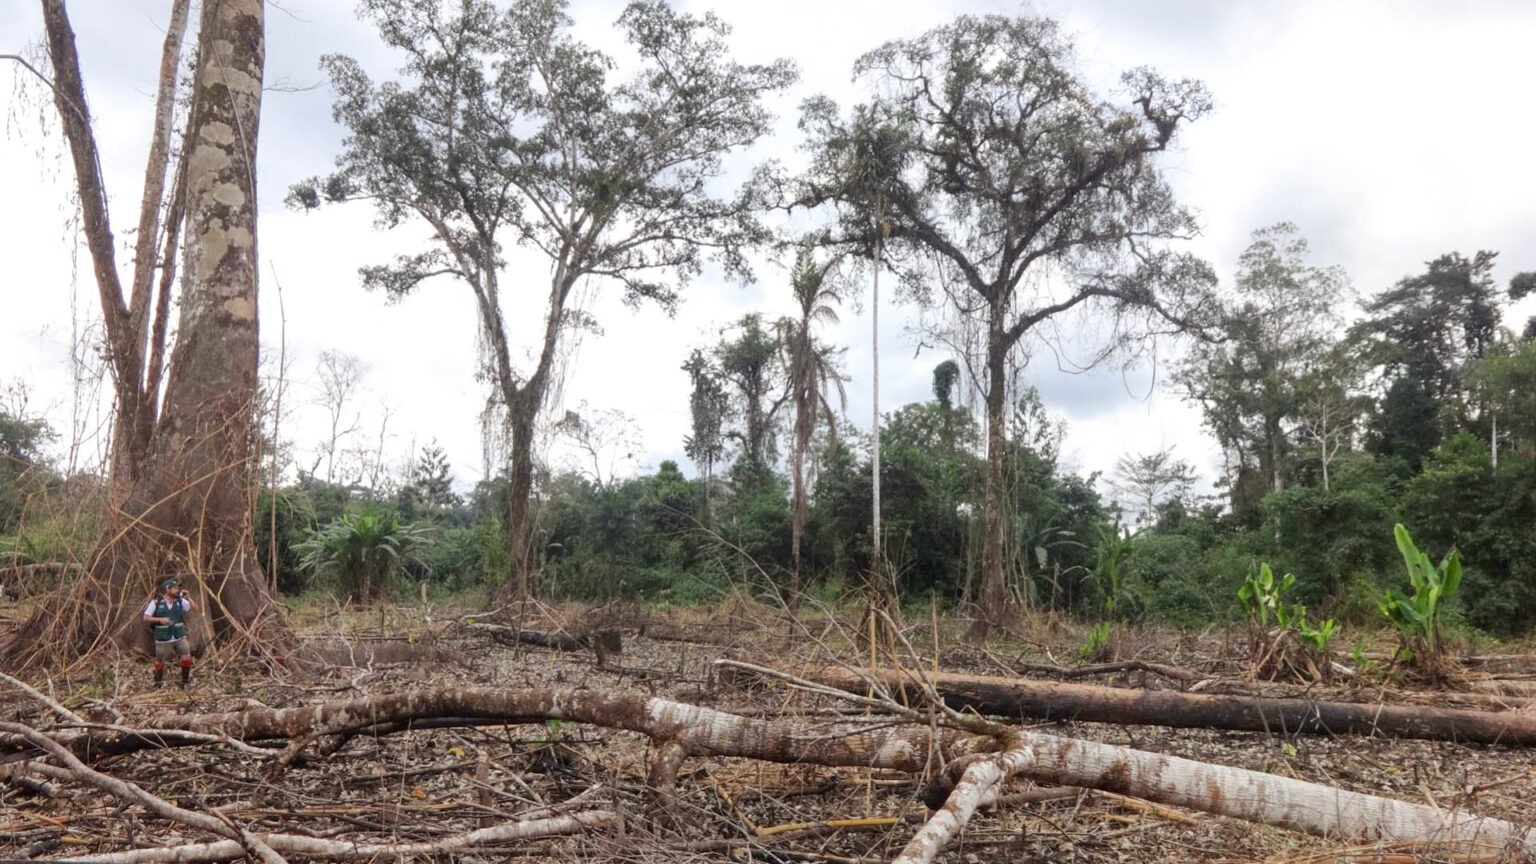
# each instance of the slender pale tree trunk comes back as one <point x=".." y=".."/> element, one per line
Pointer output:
<point x="127" y="323"/>
<point x="877" y="558"/>
<point x="1494" y="441"/>
<point x="804" y="405"/>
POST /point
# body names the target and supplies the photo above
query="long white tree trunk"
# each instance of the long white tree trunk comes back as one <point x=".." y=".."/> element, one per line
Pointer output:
<point x="1254" y="796"/>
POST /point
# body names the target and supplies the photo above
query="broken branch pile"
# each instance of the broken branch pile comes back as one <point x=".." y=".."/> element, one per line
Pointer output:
<point x="681" y="730"/>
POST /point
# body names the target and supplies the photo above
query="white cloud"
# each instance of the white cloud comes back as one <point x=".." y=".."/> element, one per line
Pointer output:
<point x="1390" y="132"/>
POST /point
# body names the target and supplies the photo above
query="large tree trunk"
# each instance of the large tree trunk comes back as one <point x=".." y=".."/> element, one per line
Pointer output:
<point x="195" y="486"/>
<point x="187" y="511"/>
<point x="1050" y="700"/>
<point x="520" y="418"/>
<point x="996" y="602"/>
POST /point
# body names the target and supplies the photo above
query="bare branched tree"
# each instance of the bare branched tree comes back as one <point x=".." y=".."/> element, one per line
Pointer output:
<point x="340" y="381"/>
<point x="182" y="467"/>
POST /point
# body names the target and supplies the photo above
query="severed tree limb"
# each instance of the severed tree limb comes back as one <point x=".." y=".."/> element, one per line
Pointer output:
<point x="1173" y="673"/>
<point x="294" y="844"/>
<point x="247" y="843"/>
<point x="46" y="700"/>
<point x="663" y="776"/>
<point x="977" y="787"/>
<point x="1252" y="796"/>
<point x="1051" y="700"/>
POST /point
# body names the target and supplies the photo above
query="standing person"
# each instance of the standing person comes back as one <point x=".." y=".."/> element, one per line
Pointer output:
<point x="166" y="615"/>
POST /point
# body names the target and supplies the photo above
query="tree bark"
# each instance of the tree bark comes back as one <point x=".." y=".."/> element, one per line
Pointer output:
<point x="997" y="607"/>
<point x="344" y="850"/>
<point x="127" y="323"/>
<point x="804" y="405"/>
<point x="1253" y="796"/>
<point x="699" y="731"/>
<point x="1050" y="700"/>
<point x="187" y="511"/>
<point x="519" y="498"/>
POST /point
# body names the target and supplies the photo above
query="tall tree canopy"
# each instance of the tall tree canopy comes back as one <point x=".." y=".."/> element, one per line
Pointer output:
<point x="993" y="166"/>
<point x="1417" y="335"/>
<point x="1281" y="323"/>
<point x="504" y="129"/>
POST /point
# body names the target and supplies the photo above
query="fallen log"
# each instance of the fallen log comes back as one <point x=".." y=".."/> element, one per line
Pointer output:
<point x="1050" y="700"/>
<point x="341" y="850"/>
<point x="684" y="730"/>
<point x="1519" y="688"/>
<point x="1253" y="796"/>
<point x="700" y="731"/>
<point x="603" y="642"/>
<point x="1173" y="673"/>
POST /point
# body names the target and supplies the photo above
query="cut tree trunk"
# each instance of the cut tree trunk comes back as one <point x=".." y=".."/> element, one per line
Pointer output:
<point x="1253" y="796"/>
<point x="700" y="731"/>
<point x="1050" y="700"/>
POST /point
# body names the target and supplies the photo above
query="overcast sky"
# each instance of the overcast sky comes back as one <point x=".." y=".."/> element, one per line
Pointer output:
<point x="1390" y="132"/>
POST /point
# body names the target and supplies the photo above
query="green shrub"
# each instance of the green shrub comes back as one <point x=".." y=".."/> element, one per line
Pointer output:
<point x="363" y="554"/>
<point x="1282" y="640"/>
<point x="294" y="514"/>
<point x="1418" y="617"/>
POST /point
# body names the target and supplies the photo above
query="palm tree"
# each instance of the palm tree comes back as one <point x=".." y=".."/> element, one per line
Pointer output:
<point x="813" y="377"/>
<point x="363" y="553"/>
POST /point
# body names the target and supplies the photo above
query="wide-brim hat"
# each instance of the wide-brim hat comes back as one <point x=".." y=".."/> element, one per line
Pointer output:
<point x="172" y="582"/>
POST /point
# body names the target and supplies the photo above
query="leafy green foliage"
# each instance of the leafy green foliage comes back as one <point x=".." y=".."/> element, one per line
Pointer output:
<point x="291" y="512"/>
<point x="363" y="554"/>
<point x="1417" y="616"/>
<point x="1278" y="626"/>
<point x="23" y="471"/>
<point x="1099" y="645"/>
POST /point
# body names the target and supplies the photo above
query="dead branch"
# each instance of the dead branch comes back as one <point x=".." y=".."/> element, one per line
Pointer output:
<point x="1172" y="673"/>
<point x="1049" y="700"/>
<point x="698" y="731"/>
<point x="295" y="844"/>
<point x="244" y="841"/>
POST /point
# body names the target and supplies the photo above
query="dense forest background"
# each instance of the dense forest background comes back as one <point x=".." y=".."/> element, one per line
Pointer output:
<point x="1336" y="421"/>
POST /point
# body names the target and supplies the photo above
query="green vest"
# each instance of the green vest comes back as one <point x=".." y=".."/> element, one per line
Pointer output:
<point x="176" y="611"/>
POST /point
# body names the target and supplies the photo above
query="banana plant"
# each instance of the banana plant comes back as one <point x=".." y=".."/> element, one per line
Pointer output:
<point x="1417" y="617"/>
<point x="1261" y="597"/>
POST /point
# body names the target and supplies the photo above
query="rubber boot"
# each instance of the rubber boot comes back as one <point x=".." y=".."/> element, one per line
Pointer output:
<point x="159" y="677"/>
<point x="186" y="676"/>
